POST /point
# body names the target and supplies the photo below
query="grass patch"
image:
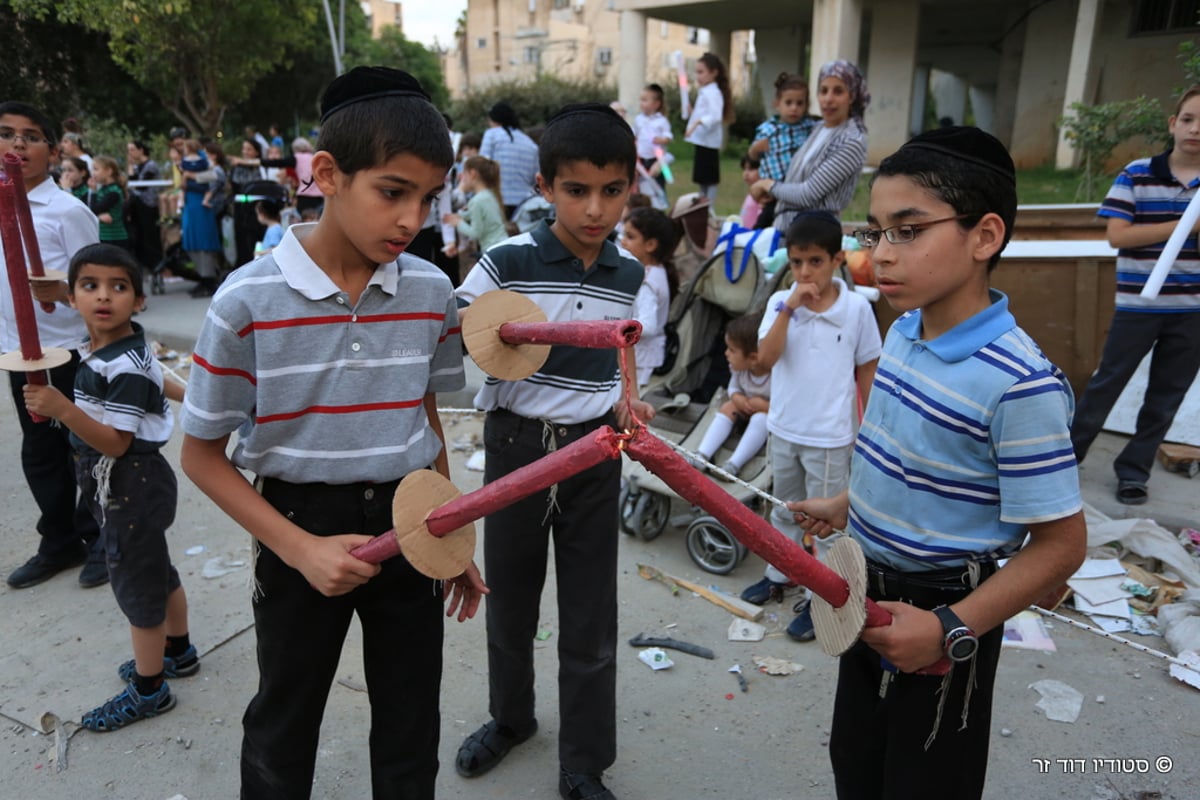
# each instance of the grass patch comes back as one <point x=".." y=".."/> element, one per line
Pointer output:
<point x="1039" y="185"/>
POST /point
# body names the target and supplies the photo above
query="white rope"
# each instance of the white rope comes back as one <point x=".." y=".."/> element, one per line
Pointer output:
<point x="1141" y="648"/>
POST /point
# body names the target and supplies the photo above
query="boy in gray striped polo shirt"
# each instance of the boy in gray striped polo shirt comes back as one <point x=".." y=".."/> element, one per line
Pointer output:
<point x="326" y="356"/>
<point x="571" y="270"/>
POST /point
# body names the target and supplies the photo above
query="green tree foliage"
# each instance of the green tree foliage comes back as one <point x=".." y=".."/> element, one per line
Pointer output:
<point x="1189" y="54"/>
<point x="1097" y="130"/>
<point x="198" y="56"/>
<point x="534" y="101"/>
<point x="64" y="69"/>
<point x="392" y="49"/>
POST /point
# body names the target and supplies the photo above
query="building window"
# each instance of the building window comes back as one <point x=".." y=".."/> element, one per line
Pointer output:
<point x="531" y="55"/>
<point x="664" y="29"/>
<point x="693" y="35"/>
<point x="1166" y="16"/>
<point x="481" y="43"/>
<point x="604" y="56"/>
<point x="562" y="3"/>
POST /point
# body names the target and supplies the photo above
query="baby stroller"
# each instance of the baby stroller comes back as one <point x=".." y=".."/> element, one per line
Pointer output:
<point x="688" y="397"/>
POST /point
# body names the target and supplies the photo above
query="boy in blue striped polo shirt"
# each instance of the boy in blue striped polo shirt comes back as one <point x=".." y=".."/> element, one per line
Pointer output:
<point x="963" y="451"/>
<point x="326" y="356"/>
<point x="571" y="270"/>
<point x="1142" y="208"/>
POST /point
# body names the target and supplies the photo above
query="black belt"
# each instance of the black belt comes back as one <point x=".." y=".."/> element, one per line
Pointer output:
<point x="332" y="492"/>
<point x="563" y="429"/>
<point x="931" y="587"/>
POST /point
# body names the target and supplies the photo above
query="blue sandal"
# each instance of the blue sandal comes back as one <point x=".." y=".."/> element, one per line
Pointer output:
<point x="182" y="666"/>
<point x="129" y="707"/>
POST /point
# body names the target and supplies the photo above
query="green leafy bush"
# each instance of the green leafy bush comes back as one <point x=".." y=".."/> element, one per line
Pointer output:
<point x="534" y="101"/>
<point x="1097" y="130"/>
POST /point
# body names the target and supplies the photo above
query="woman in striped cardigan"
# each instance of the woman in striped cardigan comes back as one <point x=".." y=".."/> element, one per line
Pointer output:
<point x="823" y="173"/>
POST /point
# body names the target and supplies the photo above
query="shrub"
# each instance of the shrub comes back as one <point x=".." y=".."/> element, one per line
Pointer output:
<point x="534" y="101"/>
<point x="1097" y="130"/>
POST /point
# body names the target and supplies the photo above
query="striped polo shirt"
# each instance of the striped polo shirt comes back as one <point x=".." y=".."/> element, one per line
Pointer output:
<point x="965" y="443"/>
<point x="575" y="384"/>
<point x="1146" y="193"/>
<point x="121" y="386"/>
<point x="324" y="391"/>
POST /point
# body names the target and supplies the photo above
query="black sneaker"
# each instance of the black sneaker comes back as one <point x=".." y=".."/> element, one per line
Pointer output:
<point x="582" y="786"/>
<point x="40" y="569"/>
<point x="765" y="591"/>
<point x="93" y="574"/>
<point x="801" y="628"/>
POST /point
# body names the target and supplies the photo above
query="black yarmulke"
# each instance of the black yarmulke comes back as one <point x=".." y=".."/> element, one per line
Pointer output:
<point x="576" y="109"/>
<point x="368" y="83"/>
<point x="967" y="144"/>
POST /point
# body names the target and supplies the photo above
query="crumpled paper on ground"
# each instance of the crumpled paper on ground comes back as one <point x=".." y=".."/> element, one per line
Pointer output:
<point x="1144" y="537"/>
<point x="1060" y="702"/>
<point x="1180" y="622"/>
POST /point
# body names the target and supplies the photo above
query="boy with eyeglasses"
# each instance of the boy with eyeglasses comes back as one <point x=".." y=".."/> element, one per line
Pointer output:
<point x="964" y="451"/>
<point x="69" y="535"/>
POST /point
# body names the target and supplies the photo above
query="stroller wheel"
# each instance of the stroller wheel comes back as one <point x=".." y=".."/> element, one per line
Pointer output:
<point x="713" y="547"/>
<point x="650" y="515"/>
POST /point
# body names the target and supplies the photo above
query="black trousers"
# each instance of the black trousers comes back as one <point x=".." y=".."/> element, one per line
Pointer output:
<point x="145" y="235"/>
<point x="583" y="527"/>
<point x="877" y="745"/>
<point x="48" y="460"/>
<point x="300" y="638"/>
<point x="1176" y="360"/>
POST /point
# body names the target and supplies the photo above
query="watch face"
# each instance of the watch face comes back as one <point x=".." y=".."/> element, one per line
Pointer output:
<point x="963" y="647"/>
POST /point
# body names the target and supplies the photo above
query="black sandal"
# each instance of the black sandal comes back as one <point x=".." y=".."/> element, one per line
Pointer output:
<point x="582" y="786"/>
<point x="486" y="747"/>
<point x="1132" y="493"/>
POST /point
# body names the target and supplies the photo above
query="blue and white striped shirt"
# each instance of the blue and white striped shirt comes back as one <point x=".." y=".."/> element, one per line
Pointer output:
<point x="517" y="156"/>
<point x="1146" y="193"/>
<point x="965" y="443"/>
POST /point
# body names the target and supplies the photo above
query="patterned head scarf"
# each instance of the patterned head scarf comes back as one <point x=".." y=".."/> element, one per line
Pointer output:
<point x="849" y="74"/>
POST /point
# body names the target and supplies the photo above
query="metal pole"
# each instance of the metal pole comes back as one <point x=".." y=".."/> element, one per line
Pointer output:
<point x="333" y="38"/>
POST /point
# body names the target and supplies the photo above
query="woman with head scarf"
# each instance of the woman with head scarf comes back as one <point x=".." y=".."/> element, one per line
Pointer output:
<point x="824" y="172"/>
<point x="505" y="143"/>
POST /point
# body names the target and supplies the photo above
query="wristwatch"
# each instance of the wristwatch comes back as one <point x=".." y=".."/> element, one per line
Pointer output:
<point x="961" y="642"/>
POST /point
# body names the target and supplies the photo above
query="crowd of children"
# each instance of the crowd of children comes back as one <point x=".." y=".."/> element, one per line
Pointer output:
<point x="325" y="437"/>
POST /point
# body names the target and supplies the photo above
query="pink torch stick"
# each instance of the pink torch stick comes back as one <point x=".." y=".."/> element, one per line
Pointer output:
<point x="18" y="279"/>
<point x="12" y="167"/>
<point x="598" y="334"/>
<point x="582" y="454"/>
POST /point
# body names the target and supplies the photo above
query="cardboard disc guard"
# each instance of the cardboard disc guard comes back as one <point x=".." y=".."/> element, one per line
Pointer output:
<point x="436" y="557"/>
<point x="481" y="334"/>
<point x="839" y="628"/>
<point x="51" y="357"/>
<point x="51" y="276"/>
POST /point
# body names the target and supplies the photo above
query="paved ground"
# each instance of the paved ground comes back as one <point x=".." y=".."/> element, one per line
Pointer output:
<point x="686" y="732"/>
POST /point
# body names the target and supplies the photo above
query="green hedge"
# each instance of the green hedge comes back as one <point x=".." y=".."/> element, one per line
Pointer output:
<point x="534" y="101"/>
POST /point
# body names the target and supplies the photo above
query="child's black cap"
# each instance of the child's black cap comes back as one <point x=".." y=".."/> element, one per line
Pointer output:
<point x="967" y="144"/>
<point x="579" y="109"/>
<point x="368" y="83"/>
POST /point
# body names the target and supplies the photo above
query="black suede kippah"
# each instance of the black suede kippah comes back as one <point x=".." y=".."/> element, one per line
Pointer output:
<point x="368" y="83"/>
<point x="577" y="109"/>
<point x="819" y="216"/>
<point x="967" y="144"/>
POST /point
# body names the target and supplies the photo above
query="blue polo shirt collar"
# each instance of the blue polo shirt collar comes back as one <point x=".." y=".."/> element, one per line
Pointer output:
<point x="306" y="277"/>
<point x="967" y="337"/>
<point x="552" y="250"/>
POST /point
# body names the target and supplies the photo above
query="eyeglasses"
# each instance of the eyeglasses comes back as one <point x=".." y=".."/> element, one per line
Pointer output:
<point x="9" y="135"/>
<point x="899" y="234"/>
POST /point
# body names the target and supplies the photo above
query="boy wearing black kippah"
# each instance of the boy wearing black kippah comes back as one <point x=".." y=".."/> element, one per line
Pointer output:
<point x="963" y="451"/>
<point x="571" y="270"/>
<point x="326" y="356"/>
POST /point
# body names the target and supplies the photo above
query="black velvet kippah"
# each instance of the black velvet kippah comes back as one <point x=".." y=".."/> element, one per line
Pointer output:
<point x="820" y="216"/>
<point x="967" y="144"/>
<point x="368" y="83"/>
<point x="577" y="109"/>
